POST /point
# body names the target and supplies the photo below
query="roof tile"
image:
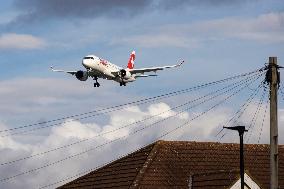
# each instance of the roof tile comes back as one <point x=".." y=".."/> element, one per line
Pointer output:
<point x="170" y="164"/>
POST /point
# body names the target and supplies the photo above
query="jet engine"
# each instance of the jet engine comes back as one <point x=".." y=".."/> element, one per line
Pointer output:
<point x="125" y="74"/>
<point x="81" y="75"/>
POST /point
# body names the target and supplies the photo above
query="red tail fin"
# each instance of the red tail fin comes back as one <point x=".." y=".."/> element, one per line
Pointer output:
<point x="130" y="64"/>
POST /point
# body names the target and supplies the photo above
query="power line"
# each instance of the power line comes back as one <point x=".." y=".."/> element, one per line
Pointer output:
<point x="262" y="122"/>
<point x="281" y="91"/>
<point x="142" y="120"/>
<point x="255" y="116"/>
<point x="77" y="119"/>
<point x="166" y="133"/>
<point x="240" y="111"/>
<point x="92" y="169"/>
<point x="132" y="133"/>
<point x="146" y="100"/>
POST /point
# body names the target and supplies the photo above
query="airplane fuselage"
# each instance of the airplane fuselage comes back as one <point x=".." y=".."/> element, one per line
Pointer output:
<point x="102" y="68"/>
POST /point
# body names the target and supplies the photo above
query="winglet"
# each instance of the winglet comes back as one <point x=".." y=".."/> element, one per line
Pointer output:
<point x="180" y="63"/>
<point x="52" y="69"/>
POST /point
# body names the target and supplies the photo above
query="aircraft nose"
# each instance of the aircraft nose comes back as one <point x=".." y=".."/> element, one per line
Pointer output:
<point x="84" y="62"/>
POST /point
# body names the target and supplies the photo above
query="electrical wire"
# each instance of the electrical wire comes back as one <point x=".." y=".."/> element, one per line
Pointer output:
<point x="254" y="118"/>
<point x="163" y="135"/>
<point x="94" y="168"/>
<point x="281" y="91"/>
<point x="240" y="111"/>
<point x="132" y="133"/>
<point x="261" y="129"/>
<point x="146" y="100"/>
<point x="139" y="121"/>
<point x="72" y="120"/>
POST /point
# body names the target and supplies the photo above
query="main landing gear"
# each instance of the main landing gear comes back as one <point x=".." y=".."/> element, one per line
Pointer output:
<point x="122" y="83"/>
<point x="97" y="83"/>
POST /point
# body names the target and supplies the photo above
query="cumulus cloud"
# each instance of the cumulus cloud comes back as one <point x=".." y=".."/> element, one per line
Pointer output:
<point x="70" y="132"/>
<point x="202" y="129"/>
<point x="44" y="97"/>
<point x="20" y="41"/>
<point x="33" y="96"/>
<point x="9" y="143"/>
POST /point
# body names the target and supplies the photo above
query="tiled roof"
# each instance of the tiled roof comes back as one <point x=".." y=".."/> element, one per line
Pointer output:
<point x="170" y="164"/>
<point x="216" y="179"/>
<point x="118" y="174"/>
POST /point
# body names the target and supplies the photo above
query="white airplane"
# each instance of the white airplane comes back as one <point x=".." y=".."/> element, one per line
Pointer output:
<point x="100" y="68"/>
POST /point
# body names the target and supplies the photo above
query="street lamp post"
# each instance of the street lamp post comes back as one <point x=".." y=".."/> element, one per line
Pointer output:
<point x="241" y="130"/>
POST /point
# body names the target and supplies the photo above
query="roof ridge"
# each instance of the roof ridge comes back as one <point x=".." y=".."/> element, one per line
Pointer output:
<point x="165" y="142"/>
<point x="109" y="163"/>
<point x="147" y="163"/>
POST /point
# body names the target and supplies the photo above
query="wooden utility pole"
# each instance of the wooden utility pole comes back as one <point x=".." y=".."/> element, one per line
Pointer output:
<point x="272" y="77"/>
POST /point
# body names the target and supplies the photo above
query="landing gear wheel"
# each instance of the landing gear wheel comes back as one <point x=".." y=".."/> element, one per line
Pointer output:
<point x="97" y="83"/>
<point x="122" y="83"/>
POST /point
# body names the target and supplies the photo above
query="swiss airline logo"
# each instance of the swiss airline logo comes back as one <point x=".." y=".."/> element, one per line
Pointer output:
<point x="130" y="64"/>
<point x="103" y="62"/>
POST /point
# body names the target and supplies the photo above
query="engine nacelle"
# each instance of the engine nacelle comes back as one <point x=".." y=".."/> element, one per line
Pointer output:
<point x="125" y="74"/>
<point x="81" y="75"/>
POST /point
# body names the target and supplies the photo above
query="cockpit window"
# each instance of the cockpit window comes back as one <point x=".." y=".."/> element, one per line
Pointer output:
<point x="89" y="58"/>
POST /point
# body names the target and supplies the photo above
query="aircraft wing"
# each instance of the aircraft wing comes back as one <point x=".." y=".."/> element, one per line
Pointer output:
<point x="153" y="69"/>
<point x="70" y="72"/>
<point x="142" y="75"/>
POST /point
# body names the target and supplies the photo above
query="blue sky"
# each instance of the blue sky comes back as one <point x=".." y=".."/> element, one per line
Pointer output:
<point x="196" y="29"/>
<point x="216" y="38"/>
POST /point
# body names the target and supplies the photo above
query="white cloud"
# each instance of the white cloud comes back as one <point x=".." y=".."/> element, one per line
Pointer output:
<point x="43" y="95"/>
<point x="159" y="39"/>
<point x="69" y="130"/>
<point x="20" y="41"/>
<point x="60" y="96"/>
<point x="74" y="131"/>
<point x="265" y="28"/>
<point x="201" y="129"/>
<point x="9" y="143"/>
